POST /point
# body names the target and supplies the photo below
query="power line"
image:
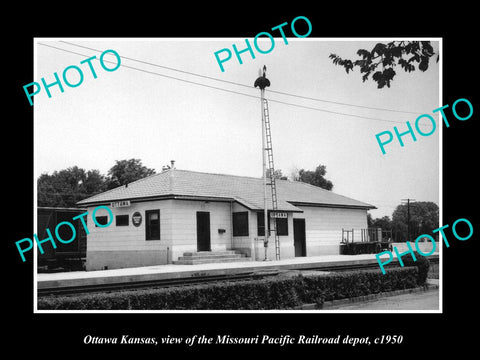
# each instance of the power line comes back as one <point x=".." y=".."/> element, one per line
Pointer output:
<point x="333" y="112"/>
<point x="163" y="66"/>
<point x="231" y="91"/>
<point x="248" y="86"/>
<point x="155" y="73"/>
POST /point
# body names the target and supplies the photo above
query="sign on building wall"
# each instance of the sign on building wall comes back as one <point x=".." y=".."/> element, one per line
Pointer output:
<point x="117" y="204"/>
<point x="278" y="215"/>
<point x="136" y="219"/>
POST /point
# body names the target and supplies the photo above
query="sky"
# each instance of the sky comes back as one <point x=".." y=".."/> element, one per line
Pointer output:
<point x="128" y="113"/>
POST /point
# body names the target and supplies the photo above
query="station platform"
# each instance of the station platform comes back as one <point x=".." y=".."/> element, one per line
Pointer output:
<point x="171" y="271"/>
<point x="174" y="271"/>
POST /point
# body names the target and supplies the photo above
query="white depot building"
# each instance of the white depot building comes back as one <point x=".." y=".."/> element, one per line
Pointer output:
<point x="159" y="218"/>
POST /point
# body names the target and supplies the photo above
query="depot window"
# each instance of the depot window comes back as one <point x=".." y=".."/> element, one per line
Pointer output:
<point x="102" y="220"/>
<point x="152" y="224"/>
<point x="282" y="226"/>
<point x="260" y="224"/>
<point x="240" y="223"/>
<point x="121" y="220"/>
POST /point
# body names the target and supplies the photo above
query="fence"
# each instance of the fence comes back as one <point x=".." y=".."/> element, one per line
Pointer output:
<point x="369" y="241"/>
<point x="366" y="235"/>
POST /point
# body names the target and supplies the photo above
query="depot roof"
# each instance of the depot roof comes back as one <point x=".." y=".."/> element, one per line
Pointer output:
<point x="248" y="191"/>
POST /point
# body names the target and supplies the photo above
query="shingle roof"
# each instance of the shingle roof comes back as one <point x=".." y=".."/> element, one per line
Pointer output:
<point x="245" y="190"/>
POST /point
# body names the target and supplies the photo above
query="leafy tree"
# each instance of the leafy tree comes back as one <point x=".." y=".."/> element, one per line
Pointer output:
<point x="127" y="171"/>
<point x="424" y="218"/>
<point x="383" y="58"/>
<point x="384" y="222"/>
<point x="47" y="195"/>
<point x="65" y="187"/>
<point x="94" y="183"/>
<point x="316" y="177"/>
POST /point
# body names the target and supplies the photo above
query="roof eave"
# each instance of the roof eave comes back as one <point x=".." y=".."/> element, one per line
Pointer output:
<point x="344" y="206"/>
<point x="156" y="197"/>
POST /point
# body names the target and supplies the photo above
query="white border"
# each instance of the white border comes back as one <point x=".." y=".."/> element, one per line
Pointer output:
<point x="299" y="312"/>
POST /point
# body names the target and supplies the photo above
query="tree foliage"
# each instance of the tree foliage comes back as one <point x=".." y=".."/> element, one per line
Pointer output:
<point x="316" y="177"/>
<point x="384" y="222"/>
<point x="424" y="218"/>
<point x="383" y="58"/>
<point x="66" y="187"/>
<point x="127" y="171"/>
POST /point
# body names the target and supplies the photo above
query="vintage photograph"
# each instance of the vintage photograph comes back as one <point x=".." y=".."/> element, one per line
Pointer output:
<point x="270" y="174"/>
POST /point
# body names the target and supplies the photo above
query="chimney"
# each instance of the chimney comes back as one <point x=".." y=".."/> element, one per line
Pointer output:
<point x="170" y="178"/>
<point x="169" y="167"/>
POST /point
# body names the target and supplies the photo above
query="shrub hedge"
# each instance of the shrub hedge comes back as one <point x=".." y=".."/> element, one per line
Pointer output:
<point x="271" y="293"/>
<point x="422" y="263"/>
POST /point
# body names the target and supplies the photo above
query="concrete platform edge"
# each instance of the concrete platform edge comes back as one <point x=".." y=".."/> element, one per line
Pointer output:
<point x="196" y="271"/>
<point x="162" y="272"/>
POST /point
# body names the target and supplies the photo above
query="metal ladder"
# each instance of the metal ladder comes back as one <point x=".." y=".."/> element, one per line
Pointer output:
<point x="272" y="184"/>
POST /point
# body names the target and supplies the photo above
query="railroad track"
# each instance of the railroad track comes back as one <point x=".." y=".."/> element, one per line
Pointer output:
<point x="70" y="290"/>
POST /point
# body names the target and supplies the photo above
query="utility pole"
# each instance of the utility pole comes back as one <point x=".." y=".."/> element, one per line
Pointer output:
<point x="262" y="82"/>
<point x="408" y="215"/>
<point x="265" y="210"/>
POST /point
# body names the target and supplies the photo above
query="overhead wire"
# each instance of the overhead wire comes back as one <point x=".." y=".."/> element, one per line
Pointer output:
<point x="155" y="73"/>
<point x="248" y="86"/>
<point x="228" y="90"/>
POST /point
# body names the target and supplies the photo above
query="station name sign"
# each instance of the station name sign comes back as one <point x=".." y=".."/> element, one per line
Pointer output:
<point x="278" y="215"/>
<point x="117" y="204"/>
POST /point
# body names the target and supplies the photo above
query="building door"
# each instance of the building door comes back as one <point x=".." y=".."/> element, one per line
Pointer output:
<point x="203" y="231"/>
<point x="299" y="237"/>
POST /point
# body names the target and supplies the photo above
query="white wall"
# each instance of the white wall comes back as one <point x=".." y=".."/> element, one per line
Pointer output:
<point x="323" y="227"/>
<point x="122" y="246"/>
<point x="129" y="237"/>
<point x="126" y="246"/>
<point x="323" y="231"/>
<point x="114" y="245"/>
<point x="183" y="218"/>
